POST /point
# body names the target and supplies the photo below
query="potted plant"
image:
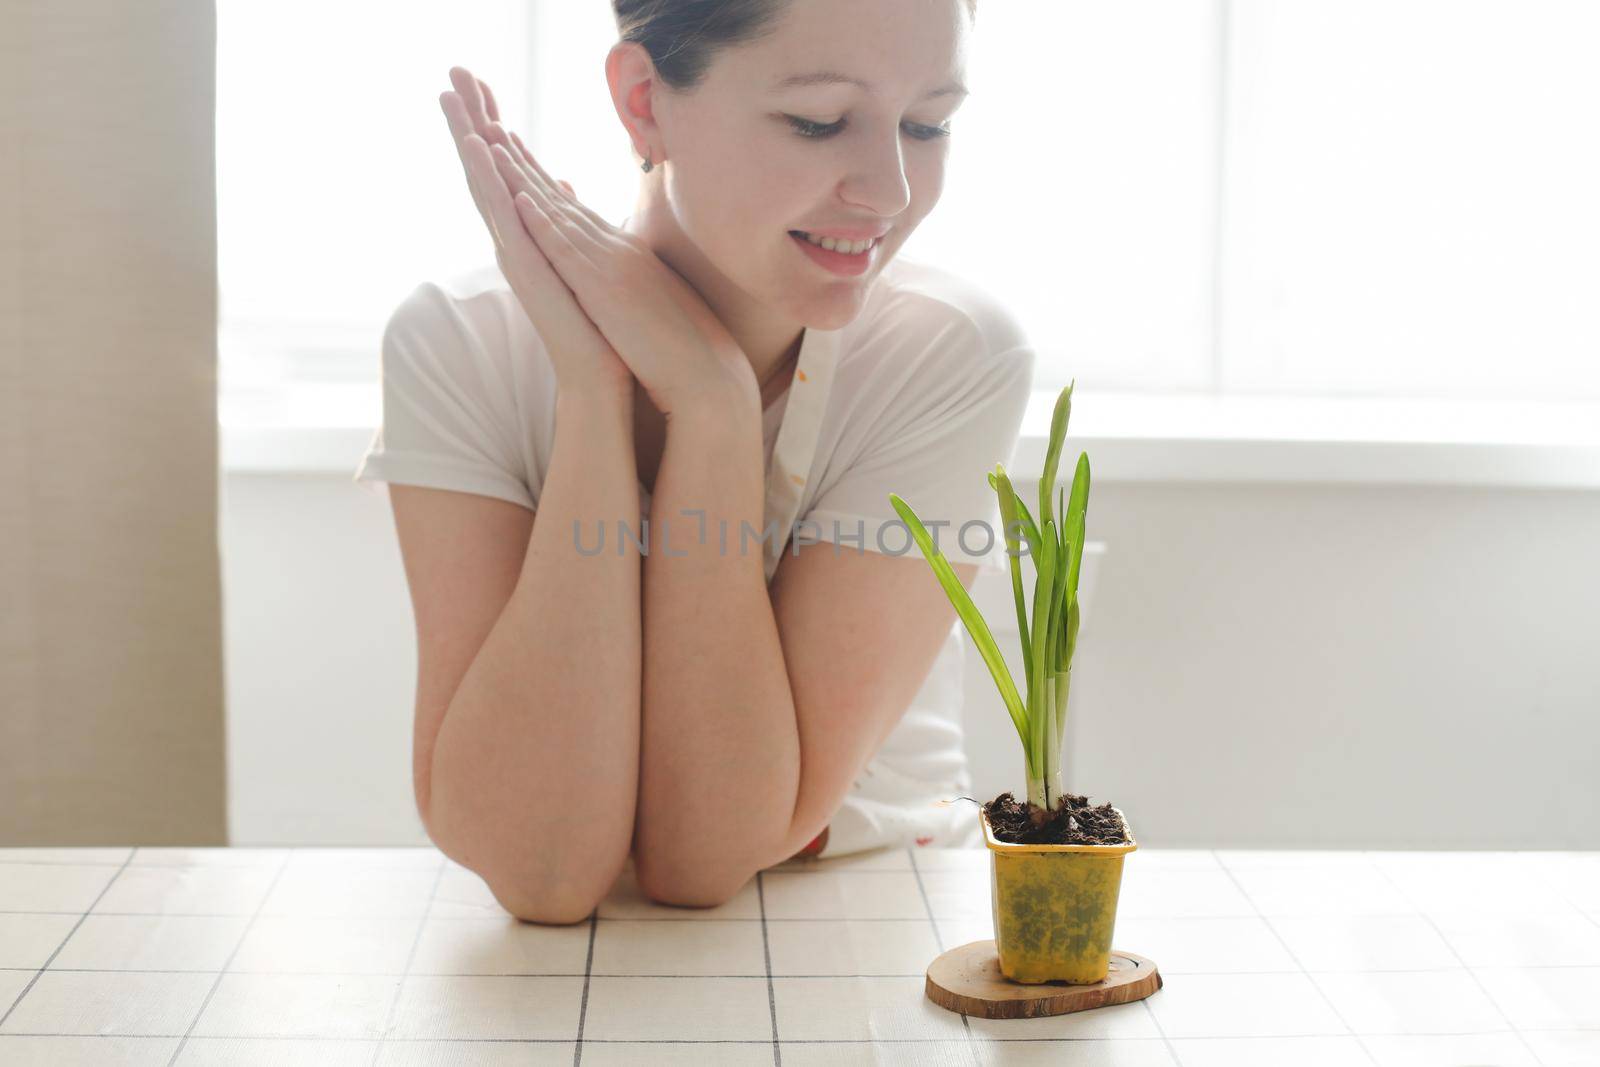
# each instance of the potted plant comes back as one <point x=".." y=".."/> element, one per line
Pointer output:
<point x="1056" y="861"/>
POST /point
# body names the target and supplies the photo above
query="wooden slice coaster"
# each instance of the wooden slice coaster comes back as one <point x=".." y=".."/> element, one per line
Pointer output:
<point x="968" y="980"/>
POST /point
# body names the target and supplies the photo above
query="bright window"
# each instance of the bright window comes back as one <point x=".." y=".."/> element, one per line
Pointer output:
<point x="1245" y="196"/>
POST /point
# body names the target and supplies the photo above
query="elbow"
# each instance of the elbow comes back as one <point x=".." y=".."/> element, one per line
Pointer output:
<point x="680" y="880"/>
<point x="549" y="904"/>
<point x="523" y="897"/>
<point x="557" y="893"/>
<point x="692" y="896"/>
<point x="682" y="892"/>
<point x="545" y="909"/>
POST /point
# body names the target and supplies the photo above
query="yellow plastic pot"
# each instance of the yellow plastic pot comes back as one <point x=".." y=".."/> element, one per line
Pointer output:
<point x="1055" y="907"/>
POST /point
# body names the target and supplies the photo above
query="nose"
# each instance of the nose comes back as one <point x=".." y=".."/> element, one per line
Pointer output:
<point x="877" y="181"/>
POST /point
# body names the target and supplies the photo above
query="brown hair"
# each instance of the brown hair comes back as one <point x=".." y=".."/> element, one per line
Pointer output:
<point x="682" y="36"/>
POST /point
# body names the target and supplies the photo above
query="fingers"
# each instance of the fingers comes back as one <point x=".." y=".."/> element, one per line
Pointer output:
<point x="502" y="215"/>
<point x="489" y="191"/>
<point x="485" y="120"/>
<point x="544" y="181"/>
<point x="471" y="110"/>
<point x="513" y="224"/>
<point x="558" y="199"/>
<point x="549" y="237"/>
<point x="524" y="156"/>
<point x="515" y="177"/>
<point x="471" y="92"/>
<point x="558" y="233"/>
<point x="514" y="146"/>
<point x="455" y="114"/>
<point x="519" y="153"/>
<point x="561" y="194"/>
<point x="488" y="101"/>
<point x="482" y="112"/>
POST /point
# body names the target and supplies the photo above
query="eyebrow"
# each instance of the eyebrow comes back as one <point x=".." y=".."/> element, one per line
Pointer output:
<point x="831" y="77"/>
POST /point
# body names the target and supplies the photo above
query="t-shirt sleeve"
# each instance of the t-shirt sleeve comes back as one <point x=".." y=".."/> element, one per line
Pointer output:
<point x="447" y="420"/>
<point x="935" y="449"/>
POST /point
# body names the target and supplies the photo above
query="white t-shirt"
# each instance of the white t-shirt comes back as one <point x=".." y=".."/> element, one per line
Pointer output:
<point x="928" y="388"/>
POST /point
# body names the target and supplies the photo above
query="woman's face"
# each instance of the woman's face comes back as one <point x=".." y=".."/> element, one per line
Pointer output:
<point x="752" y="159"/>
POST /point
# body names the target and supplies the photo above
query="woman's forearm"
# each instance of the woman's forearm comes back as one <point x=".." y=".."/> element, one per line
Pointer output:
<point x="535" y="771"/>
<point x="720" y="753"/>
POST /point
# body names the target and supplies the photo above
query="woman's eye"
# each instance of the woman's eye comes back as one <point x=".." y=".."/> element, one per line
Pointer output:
<point x="819" y="130"/>
<point x="807" y="128"/>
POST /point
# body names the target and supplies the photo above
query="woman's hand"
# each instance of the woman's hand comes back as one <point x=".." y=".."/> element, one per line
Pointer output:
<point x="583" y="359"/>
<point x="673" y="343"/>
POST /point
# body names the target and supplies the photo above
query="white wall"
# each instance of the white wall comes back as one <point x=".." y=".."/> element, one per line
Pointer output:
<point x="1258" y="666"/>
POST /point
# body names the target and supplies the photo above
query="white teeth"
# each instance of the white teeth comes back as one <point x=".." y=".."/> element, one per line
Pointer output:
<point x="849" y="248"/>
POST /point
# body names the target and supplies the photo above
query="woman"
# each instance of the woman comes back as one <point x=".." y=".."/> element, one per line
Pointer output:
<point x="690" y="696"/>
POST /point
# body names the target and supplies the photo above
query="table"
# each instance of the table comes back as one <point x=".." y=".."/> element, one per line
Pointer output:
<point x="400" y="956"/>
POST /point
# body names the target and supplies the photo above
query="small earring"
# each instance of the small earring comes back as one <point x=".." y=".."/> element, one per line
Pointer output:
<point x="647" y="164"/>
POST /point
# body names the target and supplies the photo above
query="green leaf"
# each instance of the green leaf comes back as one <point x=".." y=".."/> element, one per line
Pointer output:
<point x="1077" y="517"/>
<point x="1072" y="629"/>
<point x="1061" y="496"/>
<point x="1008" y="518"/>
<point x="970" y="616"/>
<point x="1029" y="530"/>
<point x="1052" y="456"/>
<point x="1038" y="714"/>
<point x="1058" y="604"/>
<point x="1079" y="501"/>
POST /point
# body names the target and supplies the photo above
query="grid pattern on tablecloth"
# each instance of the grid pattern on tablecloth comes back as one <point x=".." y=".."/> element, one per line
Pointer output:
<point x="401" y="956"/>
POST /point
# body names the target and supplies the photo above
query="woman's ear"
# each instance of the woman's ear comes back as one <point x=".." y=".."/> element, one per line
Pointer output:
<point x="631" y="75"/>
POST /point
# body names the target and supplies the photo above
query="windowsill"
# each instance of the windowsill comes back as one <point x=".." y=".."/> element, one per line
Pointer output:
<point x="1130" y="438"/>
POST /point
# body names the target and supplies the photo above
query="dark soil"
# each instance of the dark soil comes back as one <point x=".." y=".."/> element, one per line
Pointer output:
<point x="1073" y="822"/>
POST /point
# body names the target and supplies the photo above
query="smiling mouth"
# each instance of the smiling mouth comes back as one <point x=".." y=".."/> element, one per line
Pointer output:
<point x="843" y="248"/>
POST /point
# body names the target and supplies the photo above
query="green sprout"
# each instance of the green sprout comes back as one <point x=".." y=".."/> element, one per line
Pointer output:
<point x="1056" y="549"/>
